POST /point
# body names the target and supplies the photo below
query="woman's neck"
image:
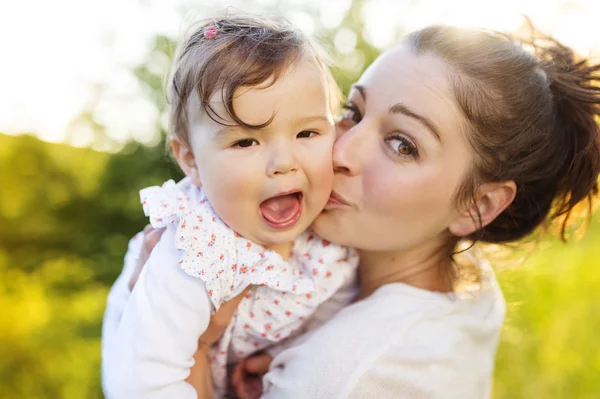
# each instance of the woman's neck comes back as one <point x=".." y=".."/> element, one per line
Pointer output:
<point x="425" y="267"/>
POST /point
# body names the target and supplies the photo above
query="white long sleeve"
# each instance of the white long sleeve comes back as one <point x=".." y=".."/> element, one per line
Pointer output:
<point x="116" y="302"/>
<point x="151" y="352"/>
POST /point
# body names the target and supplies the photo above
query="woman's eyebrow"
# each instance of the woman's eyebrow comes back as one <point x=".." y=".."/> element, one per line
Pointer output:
<point x="400" y="108"/>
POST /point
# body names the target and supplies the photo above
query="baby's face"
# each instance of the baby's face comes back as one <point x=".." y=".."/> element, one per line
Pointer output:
<point x="269" y="184"/>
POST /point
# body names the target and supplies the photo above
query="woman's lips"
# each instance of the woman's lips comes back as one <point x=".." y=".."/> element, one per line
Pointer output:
<point x="337" y="201"/>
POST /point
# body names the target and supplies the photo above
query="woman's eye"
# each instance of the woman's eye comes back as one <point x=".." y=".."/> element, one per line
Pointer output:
<point x="246" y="143"/>
<point x="306" y="134"/>
<point x="403" y="147"/>
<point x="351" y="113"/>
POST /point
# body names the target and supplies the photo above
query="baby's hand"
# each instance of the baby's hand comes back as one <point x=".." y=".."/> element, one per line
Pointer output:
<point x="151" y="238"/>
<point x="247" y="375"/>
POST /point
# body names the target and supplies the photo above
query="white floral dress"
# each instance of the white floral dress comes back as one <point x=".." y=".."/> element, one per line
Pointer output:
<point x="284" y="294"/>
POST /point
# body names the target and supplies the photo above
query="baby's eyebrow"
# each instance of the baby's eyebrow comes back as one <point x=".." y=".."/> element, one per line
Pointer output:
<point x="222" y="131"/>
<point x="315" y="118"/>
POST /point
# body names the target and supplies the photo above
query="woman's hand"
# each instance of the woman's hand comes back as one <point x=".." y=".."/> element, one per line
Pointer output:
<point x="248" y="374"/>
<point x="199" y="376"/>
<point x="151" y="238"/>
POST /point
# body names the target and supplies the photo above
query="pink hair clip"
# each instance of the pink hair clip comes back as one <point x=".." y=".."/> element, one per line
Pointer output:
<point x="210" y="31"/>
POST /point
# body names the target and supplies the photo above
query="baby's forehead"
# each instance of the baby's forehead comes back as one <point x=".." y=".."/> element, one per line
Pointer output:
<point x="299" y="96"/>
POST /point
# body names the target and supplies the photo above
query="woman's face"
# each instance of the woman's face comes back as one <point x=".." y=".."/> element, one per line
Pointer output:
<point x="399" y="158"/>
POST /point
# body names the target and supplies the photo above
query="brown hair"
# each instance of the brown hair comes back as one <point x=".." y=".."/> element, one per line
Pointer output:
<point x="531" y="106"/>
<point x="245" y="51"/>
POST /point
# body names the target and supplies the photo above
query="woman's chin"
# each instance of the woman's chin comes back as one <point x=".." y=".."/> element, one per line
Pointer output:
<point x="327" y="226"/>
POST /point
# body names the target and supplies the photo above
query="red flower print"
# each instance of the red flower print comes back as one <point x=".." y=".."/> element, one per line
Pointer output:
<point x="269" y="313"/>
<point x="308" y="296"/>
<point x="288" y="313"/>
<point x="310" y="237"/>
<point x="277" y="336"/>
<point x="267" y="327"/>
<point x="246" y="325"/>
<point x="209" y="292"/>
<point x="326" y="243"/>
<point x="249" y="244"/>
<point x="251" y="315"/>
<point x="315" y="271"/>
<point x="264" y="335"/>
<point x="276" y="302"/>
<point x="247" y="295"/>
<point x="234" y="267"/>
<point x="328" y="274"/>
<point x="243" y="269"/>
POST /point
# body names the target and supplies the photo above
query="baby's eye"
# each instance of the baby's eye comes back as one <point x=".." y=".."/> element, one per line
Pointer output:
<point x="246" y="143"/>
<point x="306" y="134"/>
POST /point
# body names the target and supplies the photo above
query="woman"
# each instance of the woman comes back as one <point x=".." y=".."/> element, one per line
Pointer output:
<point x="453" y="134"/>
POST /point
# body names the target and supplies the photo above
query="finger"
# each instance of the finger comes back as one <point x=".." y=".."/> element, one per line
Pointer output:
<point x="258" y="364"/>
<point x="237" y="380"/>
<point x="253" y="388"/>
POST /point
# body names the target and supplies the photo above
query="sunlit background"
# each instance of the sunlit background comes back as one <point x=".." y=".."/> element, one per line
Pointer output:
<point x="82" y="122"/>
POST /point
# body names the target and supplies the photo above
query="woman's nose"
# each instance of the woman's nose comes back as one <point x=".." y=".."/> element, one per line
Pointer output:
<point x="282" y="161"/>
<point x="347" y="151"/>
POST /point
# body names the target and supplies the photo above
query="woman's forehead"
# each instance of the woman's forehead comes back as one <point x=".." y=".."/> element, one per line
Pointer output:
<point x="418" y="81"/>
<point x="401" y="69"/>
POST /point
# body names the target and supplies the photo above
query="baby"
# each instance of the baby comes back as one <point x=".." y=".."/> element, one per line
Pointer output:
<point x="251" y="126"/>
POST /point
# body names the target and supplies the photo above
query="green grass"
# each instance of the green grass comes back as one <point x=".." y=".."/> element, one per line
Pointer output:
<point x="549" y="346"/>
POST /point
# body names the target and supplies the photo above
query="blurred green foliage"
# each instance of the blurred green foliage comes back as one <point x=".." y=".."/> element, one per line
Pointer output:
<point x="66" y="215"/>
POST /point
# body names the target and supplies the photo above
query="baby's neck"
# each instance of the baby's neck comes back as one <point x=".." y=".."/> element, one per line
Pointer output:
<point x="285" y="250"/>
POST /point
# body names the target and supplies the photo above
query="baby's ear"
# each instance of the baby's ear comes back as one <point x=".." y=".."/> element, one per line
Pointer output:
<point x="185" y="159"/>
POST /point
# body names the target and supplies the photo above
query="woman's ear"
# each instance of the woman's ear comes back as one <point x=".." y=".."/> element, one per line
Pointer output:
<point x="187" y="162"/>
<point x="491" y="199"/>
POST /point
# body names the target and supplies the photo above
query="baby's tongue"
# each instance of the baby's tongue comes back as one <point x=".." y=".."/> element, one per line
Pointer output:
<point x="280" y="209"/>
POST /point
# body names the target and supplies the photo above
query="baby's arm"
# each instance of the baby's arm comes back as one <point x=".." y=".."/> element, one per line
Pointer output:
<point x="158" y="333"/>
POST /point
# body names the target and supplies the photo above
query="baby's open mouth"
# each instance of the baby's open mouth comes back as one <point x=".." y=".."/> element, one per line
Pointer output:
<point x="282" y="211"/>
